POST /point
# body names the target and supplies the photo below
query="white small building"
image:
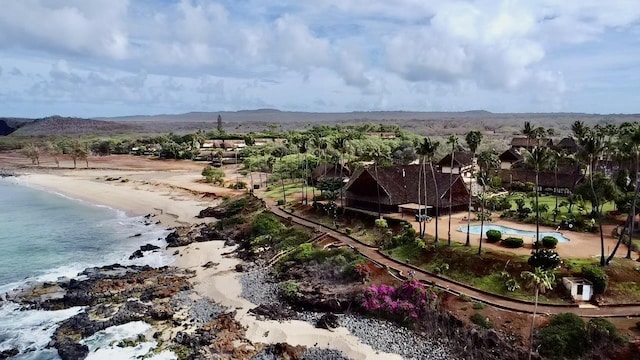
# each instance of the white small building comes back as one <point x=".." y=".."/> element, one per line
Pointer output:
<point x="580" y="289"/>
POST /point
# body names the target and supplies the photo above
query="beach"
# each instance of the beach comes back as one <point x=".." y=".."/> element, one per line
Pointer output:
<point x="173" y="196"/>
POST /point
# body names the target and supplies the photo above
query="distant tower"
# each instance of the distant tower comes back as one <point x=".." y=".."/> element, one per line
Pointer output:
<point x="219" y="123"/>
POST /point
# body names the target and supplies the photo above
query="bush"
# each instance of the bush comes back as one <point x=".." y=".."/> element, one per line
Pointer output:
<point x="289" y="289"/>
<point x="513" y="242"/>
<point x="348" y="231"/>
<point x="549" y="242"/>
<point x="266" y="224"/>
<point x="545" y="259"/>
<point x="213" y="175"/>
<point x="564" y="336"/>
<point x="602" y="331"/>
<point x="464" y="297"/>
<point x="280" y="202"/>
<point x="481" y="321"/>
<point x="478" y="306"/>
<point x="239" y="185"/>
<point x="597" y="276"/>
<point x="381" y="223"/>
<point x="493" y="236"/>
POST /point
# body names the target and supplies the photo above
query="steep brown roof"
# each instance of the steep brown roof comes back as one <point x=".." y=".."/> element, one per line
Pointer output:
<point x="511" y="155"/>
<point x="546" y="179"/>
<point x="568" y="144"/>
<point x="399" y="185"/>
<point x="460" y="159"/>
<point x="522" y="142"/>
<point x="329" y="170"/>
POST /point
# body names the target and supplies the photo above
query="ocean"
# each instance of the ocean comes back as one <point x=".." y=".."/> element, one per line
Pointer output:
<point x="44" y="236"/>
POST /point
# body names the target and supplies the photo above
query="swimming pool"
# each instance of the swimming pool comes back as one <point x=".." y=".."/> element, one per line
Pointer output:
<point x="475" y="229"/>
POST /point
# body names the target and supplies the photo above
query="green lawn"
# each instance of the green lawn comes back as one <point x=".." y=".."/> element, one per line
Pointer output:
<point x="291" y="190"/>
<point x="550" y="201"/>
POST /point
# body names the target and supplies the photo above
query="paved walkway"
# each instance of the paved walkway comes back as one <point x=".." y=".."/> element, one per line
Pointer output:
<point x="453" y="287"/>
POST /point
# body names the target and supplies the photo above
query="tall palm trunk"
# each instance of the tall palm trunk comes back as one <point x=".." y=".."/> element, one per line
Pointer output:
<point x="375" y="168"/>
<point x="468" y="243"/>
<point x="437" y="200"/>
<point x="450" y="197"/>
<point x="555" y="191"/>
<point x="533" y="322"/>
<point x="537" y="242"/>
<point x="481" y="218"/>
<point x="341" y="182"/>
<point x="426" y="203"/>
<point x="633" y="209"/>
<point x="420" y="223"/>
<point x="596" y="207"/>
<point x="284" y="193"/>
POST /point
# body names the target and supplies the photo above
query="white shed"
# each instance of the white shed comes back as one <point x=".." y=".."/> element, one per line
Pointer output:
<point x="580" y="289"/>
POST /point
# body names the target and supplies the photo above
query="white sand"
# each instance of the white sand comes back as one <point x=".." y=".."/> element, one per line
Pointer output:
<point x="173" y="196"/>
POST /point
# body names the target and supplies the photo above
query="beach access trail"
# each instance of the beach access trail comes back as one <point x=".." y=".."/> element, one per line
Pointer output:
<point x="451" y="286"/>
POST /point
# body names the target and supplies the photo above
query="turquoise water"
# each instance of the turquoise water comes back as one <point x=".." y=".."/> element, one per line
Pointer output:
<point x="44" y="236"/>
<point x="475" y="229"/>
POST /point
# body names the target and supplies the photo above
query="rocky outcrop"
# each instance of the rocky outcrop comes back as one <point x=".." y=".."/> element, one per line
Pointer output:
<point x="140" y="252"/>
<point x="186" y="235"/>
<point x="273" y="312"/>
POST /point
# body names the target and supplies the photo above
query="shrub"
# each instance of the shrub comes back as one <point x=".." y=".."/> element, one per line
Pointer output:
<point x="602" y="331"/>
<point x="564" y="336"/>
<point x="478" y="306"/>
<point x="266" y="224"/>
<point x="549" y="242"/>
<point x="411" y="300"/>
<point x="513" y="242"/>
<point x="597" y="276"/>
<point x="381" y="223"/>
<point x="348" y="231"/>
<point x="304" y="253"/>
<point x="545" y="259"/>
<point x="481" y="321"/>
<point x="280" y="202"/>
<point x="239" y="185"/>
<point x="213" y="175"/>
<point x="441" y="269"/>
<point x="289" y="289"/>
<point x="493" y="236"/>
<point x="464" y="297"/>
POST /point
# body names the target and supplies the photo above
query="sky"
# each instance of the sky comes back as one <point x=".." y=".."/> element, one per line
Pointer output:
<point x="125" y="57"/>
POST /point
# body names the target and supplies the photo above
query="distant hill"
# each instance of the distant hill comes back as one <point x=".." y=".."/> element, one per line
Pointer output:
<point x="9" y="125"/>
<point x="57" y="125"/>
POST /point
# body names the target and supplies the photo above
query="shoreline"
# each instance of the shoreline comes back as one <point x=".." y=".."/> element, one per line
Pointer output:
<point x="219" y="283"/>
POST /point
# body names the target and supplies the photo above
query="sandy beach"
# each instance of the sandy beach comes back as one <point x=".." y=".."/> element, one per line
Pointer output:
<point x="176" y="196"/>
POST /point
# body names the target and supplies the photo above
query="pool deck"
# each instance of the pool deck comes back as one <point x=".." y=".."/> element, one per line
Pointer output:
<point x="581" y="245"/>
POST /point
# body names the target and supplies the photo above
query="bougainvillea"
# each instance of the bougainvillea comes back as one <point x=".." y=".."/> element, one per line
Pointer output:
<point x="412" y="300"/>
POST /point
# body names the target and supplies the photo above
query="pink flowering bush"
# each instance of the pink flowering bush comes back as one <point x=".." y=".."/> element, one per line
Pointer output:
<point x="411" y="300"/>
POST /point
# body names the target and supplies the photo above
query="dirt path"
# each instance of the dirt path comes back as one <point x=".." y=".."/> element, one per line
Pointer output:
<point x="454" y="287"/>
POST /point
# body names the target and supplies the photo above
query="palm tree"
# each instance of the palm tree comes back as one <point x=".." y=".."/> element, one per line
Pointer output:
<point x="579" y="130"/>
<point x="340" y="145"/>
<point x="538" y="159"/>
<point x="541" y="281"/>
<point x="635" y="140"/>
<point x="473" y="139"/>
<point x="527" y="130"/>
<point x="379" y="157"/>
<point x="303" y="147"/>
<point x="423" y="149"/>
<point x="487" y="161"/>
<point x="429" y="148"/>
<point x="593" y="147"/>
<point x="453" y="141"/>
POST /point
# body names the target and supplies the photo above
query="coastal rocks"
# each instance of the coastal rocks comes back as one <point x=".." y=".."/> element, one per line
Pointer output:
<point x="5" y="354"/>
<point x="273" y="312"/>
<point x="281" y="351"/>
<point x="140" y="252"/>
<point x="186" y="235"/>
<point x="328" y="321"/>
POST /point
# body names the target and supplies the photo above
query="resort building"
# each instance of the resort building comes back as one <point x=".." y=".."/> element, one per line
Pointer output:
<point x="463" y="165"/>
<point x="568" y="145"/>
<point x="564" y="183"/>
<point x="529" y="144"/>
<point x="397" y="187"/>
<point x="509" y="158"/>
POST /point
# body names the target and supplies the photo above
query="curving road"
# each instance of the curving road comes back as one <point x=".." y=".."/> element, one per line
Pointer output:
<point x="452" y="286"/>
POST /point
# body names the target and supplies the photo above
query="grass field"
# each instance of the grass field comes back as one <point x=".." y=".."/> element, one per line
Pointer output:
<point x="550" y="201"/>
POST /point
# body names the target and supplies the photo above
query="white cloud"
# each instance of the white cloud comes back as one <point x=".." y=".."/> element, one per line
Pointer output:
<point x="412" y="54"/>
